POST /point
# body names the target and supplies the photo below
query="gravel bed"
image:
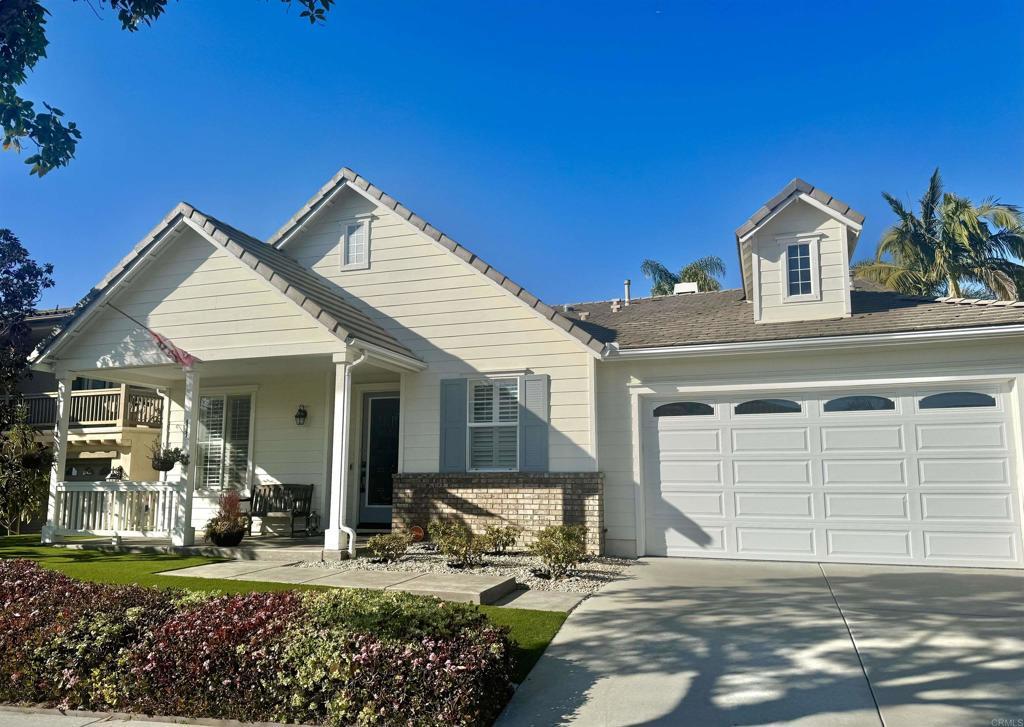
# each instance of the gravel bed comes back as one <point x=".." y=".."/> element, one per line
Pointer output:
<point x="525" y="568"/>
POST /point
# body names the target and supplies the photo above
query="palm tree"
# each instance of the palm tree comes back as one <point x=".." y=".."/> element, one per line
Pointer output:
<point x="703" y="271"/>
<point x="952" y="247"/>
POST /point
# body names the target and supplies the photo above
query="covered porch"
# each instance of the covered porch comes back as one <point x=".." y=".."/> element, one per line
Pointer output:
<point x="330" y="420"/>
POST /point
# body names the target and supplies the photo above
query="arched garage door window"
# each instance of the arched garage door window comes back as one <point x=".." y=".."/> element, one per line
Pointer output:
<point x="860" y="403"/>
<point x="684" y="409"/>
<point x="768" y="406"/>
<point x="957" y="400"/>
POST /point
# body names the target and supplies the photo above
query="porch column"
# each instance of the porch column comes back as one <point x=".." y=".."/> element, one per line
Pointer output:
<point x="335" y="537"/>
<point x="184" y="533"/>
<point x="60" y="453"/>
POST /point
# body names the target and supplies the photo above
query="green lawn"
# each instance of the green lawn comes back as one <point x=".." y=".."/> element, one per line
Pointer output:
<point x="531" y="631"/>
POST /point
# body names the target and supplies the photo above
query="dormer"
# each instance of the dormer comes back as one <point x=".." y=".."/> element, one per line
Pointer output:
<point x="795" y="255"/>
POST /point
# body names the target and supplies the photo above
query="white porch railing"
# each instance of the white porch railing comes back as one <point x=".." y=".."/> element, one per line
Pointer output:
<point x="134" y="509"/>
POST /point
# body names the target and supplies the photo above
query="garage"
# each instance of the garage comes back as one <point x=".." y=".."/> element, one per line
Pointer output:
<point x="924" y="476"/>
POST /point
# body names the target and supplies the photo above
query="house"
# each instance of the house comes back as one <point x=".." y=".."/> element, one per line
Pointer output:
<point x="110" y="425"/>
<point x="363" y="351"/>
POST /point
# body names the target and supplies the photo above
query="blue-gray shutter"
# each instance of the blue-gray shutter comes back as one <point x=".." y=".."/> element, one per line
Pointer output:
<point x="453" y="425"/>
<point x="533" y="424"/>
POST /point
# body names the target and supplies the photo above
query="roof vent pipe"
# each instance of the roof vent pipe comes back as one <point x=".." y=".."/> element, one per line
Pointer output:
<point x="626" y="286"/>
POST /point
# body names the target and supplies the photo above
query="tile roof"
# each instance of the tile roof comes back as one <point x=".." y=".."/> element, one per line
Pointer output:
<point x="308" y="290"/>
<point x="347" y="176"/>
<point x="796" y="187"/>
<point x="725" y="317"/>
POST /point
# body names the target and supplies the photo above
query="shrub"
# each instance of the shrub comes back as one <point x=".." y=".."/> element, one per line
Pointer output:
<point x="370" y="657"/>
<point x="201" y="660"/>
<point x="458" y="543"/>
<point x="340" y="657"/>
<point x="561" y="548"/>
<point x="389" y="547"/>
<point x="500" y="538"/>
<point x="61" y="638"/>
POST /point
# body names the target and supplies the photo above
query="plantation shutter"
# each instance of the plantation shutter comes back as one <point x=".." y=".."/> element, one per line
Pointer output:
<point x="533" y="424"/>
<point x="453" y="425"/>
<point x="223" y="441"/>
<point x="236" y="441"/>
<point x="210" y="442"/>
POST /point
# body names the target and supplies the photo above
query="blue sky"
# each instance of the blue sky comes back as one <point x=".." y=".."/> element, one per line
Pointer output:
<point x="563" y="142"/>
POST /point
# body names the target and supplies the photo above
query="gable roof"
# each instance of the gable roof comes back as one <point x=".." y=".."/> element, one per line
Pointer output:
<point x="795" y="189"/>
<point x="304" y="287"/>
<point x="347" y="177"/>
<point x="725" y="317"/>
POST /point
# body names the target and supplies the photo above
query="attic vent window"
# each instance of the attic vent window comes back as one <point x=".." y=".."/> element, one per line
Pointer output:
<point x="355" y="244"/>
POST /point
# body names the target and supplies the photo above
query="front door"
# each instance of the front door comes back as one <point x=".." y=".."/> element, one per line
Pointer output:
<point x="380" y="458"/>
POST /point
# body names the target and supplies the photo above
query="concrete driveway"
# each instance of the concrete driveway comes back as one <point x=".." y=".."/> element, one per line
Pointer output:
<point x="699" y="642"/>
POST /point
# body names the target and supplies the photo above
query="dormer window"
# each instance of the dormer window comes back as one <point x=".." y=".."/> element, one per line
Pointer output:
<point x="355" y="244"/>
<point x="801" y="270"/>
<point x="798" y="258"/>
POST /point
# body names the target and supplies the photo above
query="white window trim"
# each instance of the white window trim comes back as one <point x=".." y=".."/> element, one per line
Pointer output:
<point x="250" y="470"/>
<point x="812" y="241"/>
<point x="470" y="424"/>
<point x="345" y="225"/>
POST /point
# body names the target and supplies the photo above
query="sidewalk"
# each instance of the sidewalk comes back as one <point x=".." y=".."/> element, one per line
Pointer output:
<point x="466" y="587"/>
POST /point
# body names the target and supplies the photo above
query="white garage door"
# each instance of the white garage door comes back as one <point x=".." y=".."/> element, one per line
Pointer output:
<point x="886" y="476"/>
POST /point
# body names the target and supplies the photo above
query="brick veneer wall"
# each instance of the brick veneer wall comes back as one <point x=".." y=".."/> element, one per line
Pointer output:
<point x="530" y="500"/>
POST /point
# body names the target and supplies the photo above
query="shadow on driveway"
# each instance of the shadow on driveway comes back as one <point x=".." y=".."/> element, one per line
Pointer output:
<point x="694" y="642"/>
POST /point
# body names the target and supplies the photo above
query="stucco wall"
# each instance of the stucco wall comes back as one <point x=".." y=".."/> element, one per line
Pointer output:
<point x="619" y="381"/>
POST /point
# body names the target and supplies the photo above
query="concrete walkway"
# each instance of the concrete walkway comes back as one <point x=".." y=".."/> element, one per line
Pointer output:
<point x="700" y="642"/>
<point x="466" y="587"/>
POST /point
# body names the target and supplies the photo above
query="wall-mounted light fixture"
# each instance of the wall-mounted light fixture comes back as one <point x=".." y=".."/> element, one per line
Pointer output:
<point x="301" y="414"/>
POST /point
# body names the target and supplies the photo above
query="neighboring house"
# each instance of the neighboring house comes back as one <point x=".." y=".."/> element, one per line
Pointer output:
<point x="110" y="425"/>
<point x="799" y="418"/>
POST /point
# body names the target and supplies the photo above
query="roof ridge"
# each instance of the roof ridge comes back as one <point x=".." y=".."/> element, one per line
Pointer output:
<point x="951" y="300"/>
<point x="349" y="176"/>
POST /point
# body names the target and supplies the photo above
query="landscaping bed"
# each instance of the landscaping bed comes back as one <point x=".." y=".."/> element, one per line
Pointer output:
<point x="333" y="657"/>
<point x="528" y="570"/>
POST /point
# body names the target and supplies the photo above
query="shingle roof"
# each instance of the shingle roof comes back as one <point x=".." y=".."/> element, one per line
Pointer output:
<point x="796" y="187"/>
<point x="307" y="289"/>
<point x="347" y="176"/>
<point x="725" y="317"/>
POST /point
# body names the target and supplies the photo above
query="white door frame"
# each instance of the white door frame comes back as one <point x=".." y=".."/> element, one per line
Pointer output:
<point x="641" y="394"/>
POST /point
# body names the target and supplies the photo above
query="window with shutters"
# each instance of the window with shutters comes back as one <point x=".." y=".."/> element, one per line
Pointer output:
<point x="355" y="244"/>
<point x="493" y="422"/>
<point x="224" y="441"/>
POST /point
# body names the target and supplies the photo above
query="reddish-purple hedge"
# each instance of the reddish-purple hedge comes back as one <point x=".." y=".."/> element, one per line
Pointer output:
<point x="337" y="657"/>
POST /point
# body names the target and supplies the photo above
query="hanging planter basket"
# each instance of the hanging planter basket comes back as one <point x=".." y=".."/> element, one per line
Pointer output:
<point x="163" y="459"/>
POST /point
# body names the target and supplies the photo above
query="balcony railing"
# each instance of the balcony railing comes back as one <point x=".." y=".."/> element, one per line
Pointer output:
<point x="122" y="406"/>
<point x="137" y="509"/>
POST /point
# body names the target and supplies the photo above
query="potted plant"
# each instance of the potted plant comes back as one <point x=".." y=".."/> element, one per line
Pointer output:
<point x="227" y="528"/>
<point x="163" y="458"/>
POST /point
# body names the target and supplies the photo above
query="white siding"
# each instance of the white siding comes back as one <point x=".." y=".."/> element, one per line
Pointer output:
<point x="281" y="450"/>
<point x="616" y="432"/>
<point x="457" y="321"/>
<point x="769" y="260"/>
<point x="207" y="302"/>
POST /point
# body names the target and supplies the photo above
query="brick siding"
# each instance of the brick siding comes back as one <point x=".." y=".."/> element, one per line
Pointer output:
<point x="530" y="500"/>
